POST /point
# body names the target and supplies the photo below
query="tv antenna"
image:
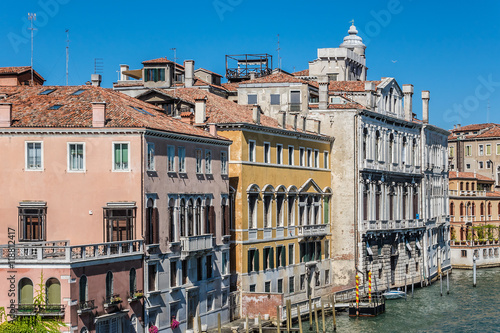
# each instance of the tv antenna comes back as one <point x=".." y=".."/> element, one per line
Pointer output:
<point x="278" y="49"/>
<point x="31" y="17"/>
<point x="175" y="68"/>
<point x="67" y="56"/>
<point x="98" y="66"/>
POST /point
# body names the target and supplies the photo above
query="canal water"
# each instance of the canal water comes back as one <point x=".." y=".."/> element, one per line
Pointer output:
<point x="465" y="309"/>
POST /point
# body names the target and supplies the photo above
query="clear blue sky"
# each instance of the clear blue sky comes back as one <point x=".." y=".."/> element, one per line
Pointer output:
<point x="449" y="48"/>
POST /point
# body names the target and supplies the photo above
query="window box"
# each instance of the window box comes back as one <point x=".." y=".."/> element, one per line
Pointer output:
<point x="112" y="300"/>
<point x="137" y="295"/>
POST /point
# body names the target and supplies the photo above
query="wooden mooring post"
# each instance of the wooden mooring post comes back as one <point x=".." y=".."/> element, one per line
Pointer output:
<point x="219" y="328"/>
<point x="288" y="315"/>
<point x="316" y="317"/>
<point x="334" y="318"/>
<point x="260" y="325"/>
<point x="248" y="328"/>
<point x="447" y="282"/>
<point x="405" y="287"/>
<point x="310" y="315"/>
<point x="300" y="318"/>
<point x="412" y="285"/>
<point x="278" y="319"/>
<point x="199" y="321"/>
<point x="441" y="283"/>
<point x="323" y="317"/>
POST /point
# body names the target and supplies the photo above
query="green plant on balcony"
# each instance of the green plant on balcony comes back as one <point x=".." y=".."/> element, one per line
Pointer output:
<point x="115" y="300"/>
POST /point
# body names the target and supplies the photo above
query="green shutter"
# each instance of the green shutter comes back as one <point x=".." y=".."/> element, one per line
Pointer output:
<point x="266" y="257"/>
<point x="283" y="256"/>
<point x="271" y="263"/>
<point x="117" y="154"/>
<point x="249" y="261"/>
<point x="26" y="292"/>
<point x="125" y="154"/>
<point x="256" y="261"/>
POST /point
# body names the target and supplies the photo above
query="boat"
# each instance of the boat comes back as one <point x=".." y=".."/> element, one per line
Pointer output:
<point x="394" y="294"/>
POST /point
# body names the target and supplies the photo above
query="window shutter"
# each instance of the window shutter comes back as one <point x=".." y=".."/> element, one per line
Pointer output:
<point x="155" y="226"/>
<point x="256" y="260"/>
<point x="212" y="221"/>
<point x="148" y="231"/>
<point x="271" y="258"/>
<point x="283" y="256"/>
<point x="249" y="261"/>
<point x="226" y="220"/>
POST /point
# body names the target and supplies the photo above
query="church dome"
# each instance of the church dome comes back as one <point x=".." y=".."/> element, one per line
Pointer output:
<point x="353" y="40"/>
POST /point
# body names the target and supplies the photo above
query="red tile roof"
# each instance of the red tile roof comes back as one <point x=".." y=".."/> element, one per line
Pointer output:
<point x="488" y="130"/>
<point x="30" y="109"/>
<point x="163" y="60"/>
<point x="231" y="86"/>
<point x="18" y="70"/>
<point x="349" y="85"/>
<point x="207" y="71"/>
<point x="468" y="175"/>
<point x="304" y="72"/>
<point x="493" y="194"/>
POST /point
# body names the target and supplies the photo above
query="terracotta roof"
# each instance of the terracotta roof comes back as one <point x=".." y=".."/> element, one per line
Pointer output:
<point x="473" y="127"/>
<point x="279" y="77"/>
<point x="163" y="60"/>
<point x="206" y="70"/>
<point x="231" y="86"/>
<point x="468" y="175"/>
<point x="349" y="85"/>
<point x="304" y="72"/>
<point x="30" y="109"/>
<point x="487" y="130"/>
<point x="201" y="83"/>
<point x="493" y="194"/>
<point x="18" y="70"/>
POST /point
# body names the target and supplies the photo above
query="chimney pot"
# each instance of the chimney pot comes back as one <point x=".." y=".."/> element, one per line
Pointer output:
<point x="283" y="119"/>
<point x="212" y="129"/>
<point x="200" y="110"/>
<point x="425" y="106"/>
<point x="96" y="80"/>
<point x="252" y="75"/>
<point x="256" y="114"/>
<point x="5" y="114"/>
<point x="98" y="114"/>
<point x="188" y="73"/>
<point x="123" y="68"/>
<point x="408" y="101"/>
<point x="323" y="92"/>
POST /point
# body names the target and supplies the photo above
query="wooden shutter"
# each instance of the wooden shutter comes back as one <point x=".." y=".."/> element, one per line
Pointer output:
<point x="256" y="261"/>
<point x="226" y="220"/>
<point x="147" y="231"/>
<point x="155" y="227"/>
<point x="249" y="260"/>
<point x="213" y="221"/>
<point x="271" y="258"/>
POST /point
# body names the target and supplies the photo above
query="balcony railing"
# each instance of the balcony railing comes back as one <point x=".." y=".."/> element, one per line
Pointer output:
<point x="86" y="306"/>
<point x="457" y="193"/>
<point x="312" y="230"/>
<point x="62" y="252"/>
<point x="392" y="224"/>
<point x="196" y="243"/>
<point x="294" y="107"/>
<point x="44" y="310"/>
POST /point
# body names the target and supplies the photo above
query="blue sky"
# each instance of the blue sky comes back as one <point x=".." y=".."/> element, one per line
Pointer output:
<point x="451" y="49"/>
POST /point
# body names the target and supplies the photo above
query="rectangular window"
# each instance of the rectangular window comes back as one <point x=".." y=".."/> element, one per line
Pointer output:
<point x="464" y="253"/>
<point x="32" y="223"/>
<point x="121" y="155"/>
<point x="275" y="99"/>
<point x="199" y="269"/>
<point x="152" y="272"/>
<point x="76" y="159"/>
<point x="326" y="161"/>
<point x="199" y="161"/>
<point x="302" y="281"/>
<point x="481" y="164"/>
<point x="223" y="163"/>
<point x="210" y="302"/>
<point x="225" y="263"/>
<point x="208" y="161"/>
<point x="302" y="156"/>
<point x="280" y="256"/>
<point x="119" y="224"/>
<point x="208" y="263"/>
<point x="34" y="156"/>
<point x="268" y="258"/>
<point x="267" y="152"/>
<point x="452" y="151"/>
<point x="252" y="288"/>
<point x="279" y="154"/>
<point x="184" y="268"/>
<point x="488" y="165"/>
<point x="468" y="150"/>
<point x="170" y="158"/>
<point x="267" y="287"/>
<point x="252" y="99"/>
<point x="290" y="155"/>
<point x="488" y="149"/>
<point x="327" y="249"/>
<point x="294" y="100"/>
<point x="327" y="277"/>
<point x="309" y="157"/>
<point x="291" y="259"/>
<point x="316" y="158"/>
<point x="481" y="150"/>
<point x="251" y="151"/>
<point x="467" y="166"/>
<point x="280" y="286"/>
<point x="151" y="157"/>
<point x="498" y="148"/>
<point x="253" y="260"/>
<point x="291" y="284"/>
<point x="173" y="273"/>
<point x="181" y="151"/>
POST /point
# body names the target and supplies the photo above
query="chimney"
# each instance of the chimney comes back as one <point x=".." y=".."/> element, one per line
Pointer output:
<point x="5" y="114"/>
<point x="459" y="126"/>
<point x="96" y="80"/>
<point x="187" y="117"/>
<point x="282" y="119"/>
<point x="98" y="114"/>
<point x="304" y="123"/>
<point x="256" y="114"/>
<point x="123" y="68"/>
<point x="252" y="75"/>
<point x="188" y="73"/>
<point x="323" y="92"/>
<point x="408" y="101"/>
<point x="212" y="129"/>
<point x="295" y="117"/>
<point x="425" y="106"/>
<point x="370" y="89"/>
<point x="200" y="110"/>
<point x="318" y="126"/>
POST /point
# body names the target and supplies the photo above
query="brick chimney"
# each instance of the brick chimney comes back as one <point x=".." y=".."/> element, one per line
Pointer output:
<point x="425" y="106"/>
<point x="5" y="114"/>
<point x="200" y="110"/>
<point x="323" y="92"/>
<point x="98" y="114"/>
<point x="408" y="101"/>
<point x="188" y="73"/>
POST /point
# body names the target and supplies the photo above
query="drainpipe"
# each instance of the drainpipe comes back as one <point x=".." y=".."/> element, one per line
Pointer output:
<point x="144" y="277"/>
<point x="356" y="180"/>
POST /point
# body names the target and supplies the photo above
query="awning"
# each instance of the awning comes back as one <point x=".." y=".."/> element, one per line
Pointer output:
<point x="368" y="249"/>
<point x="135" y="73"/>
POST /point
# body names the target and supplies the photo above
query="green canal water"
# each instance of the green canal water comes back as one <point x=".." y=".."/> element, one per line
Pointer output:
<point x="465" y="309"/>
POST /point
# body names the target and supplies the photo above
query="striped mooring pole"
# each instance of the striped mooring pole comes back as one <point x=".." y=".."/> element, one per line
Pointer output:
<point x="357" y="294"/>
<point x="370" y="286"/>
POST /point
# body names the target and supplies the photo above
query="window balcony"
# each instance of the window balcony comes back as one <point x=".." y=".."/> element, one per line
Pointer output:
<point x="86" y="306"/>
<point x="312" y="230"/>
<point x="294" y="106"/>
<point x="375" y="225"/>
<point x="456" y="193"/>
<point x="192" y="244"/>
<point x="44" y="310"/>
<point x="136" y="296"/>
<point x="112" y="300"/>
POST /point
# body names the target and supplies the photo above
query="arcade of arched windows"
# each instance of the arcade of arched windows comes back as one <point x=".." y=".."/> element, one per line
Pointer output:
<point x="474" y="210"/>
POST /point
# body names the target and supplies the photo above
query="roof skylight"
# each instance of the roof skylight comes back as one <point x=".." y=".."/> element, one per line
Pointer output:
<point x="46" y="92"/>
<point x="55" y="107"/>
<point x="142" y="111"/>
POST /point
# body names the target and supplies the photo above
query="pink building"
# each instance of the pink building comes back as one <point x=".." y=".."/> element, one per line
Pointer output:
<point x="88" y="189"/>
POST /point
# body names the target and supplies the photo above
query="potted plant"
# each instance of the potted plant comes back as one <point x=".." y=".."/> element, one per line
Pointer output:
<point x="153" y="329"/>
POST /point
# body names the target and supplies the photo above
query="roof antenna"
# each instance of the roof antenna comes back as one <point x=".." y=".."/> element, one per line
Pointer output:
<point x="488" y="112"/>
<point x="31" y="17"/>
<point x="278" y="49"/>
<point x="67" y="56"/>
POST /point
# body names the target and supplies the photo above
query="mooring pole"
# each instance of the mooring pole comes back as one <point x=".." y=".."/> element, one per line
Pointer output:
<point x="441" y="283"/>
<point x="412" y="285"/>
<point x="369" y="286"/>
<point x="474" y="270"/>
<point x="334" y="314"/>
<point x="219" y="328"/>
<point x="289" y="315"/>
<point x="316" y="317"/>
<point x="447" y="282"/>
<point x="260" y="325"/>
<point x="300" y="318"/>
<point x="310" y="315"/>
<point x="278" y="319"/>
<point x="323" y="316"/>
<point x="405" y="286"/>
<point x="357" y="295"/>
<point x="248" y="329"/>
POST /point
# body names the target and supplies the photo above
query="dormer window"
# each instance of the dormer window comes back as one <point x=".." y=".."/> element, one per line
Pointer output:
<point x="154" y="74"/>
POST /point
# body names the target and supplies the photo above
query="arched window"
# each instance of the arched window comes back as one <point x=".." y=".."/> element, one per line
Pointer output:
<point x="84" y="289"/>
<point x="461" y="186"/>
<point x="132" y="282"/>
<point x="190" y="218"/>
<point x="210" y="222"/>
<point x="182" y="216"/>
<point x="452" y="209"/>
<point x="280" y="216"/>
<point x="291" y="208"/>
<point x="25" y="291"/>
<point x="391" y="148"/>
<point x="473" y="209"/>
<point x="53" y="291"/>
<point x="378" y="202"/>
<point x="152" y="223"/>
<point x="414" y="152"/>
<point x="462" y="212"/>
<point x="481" y="208"/>
<point x="405" y="202"/>
<point x="316" y="210"/>
<point x="197" y="218"/>
<point x="366" y="192"/>
<point x="404" y="152"/>
<point x="391" y="203"/>
<point x="377" y="146"/>
<point x="109" y="285"/>
<point x="415" y="203"/>
<point x="268" y="200"/>
<point x="171" y="221"/>
<point x="225" y="217"/>
<point x="252" y="210"/>
<point x="365" y="139"/>
<point x="489" y="208"/>
<point x="467" y="186"/>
